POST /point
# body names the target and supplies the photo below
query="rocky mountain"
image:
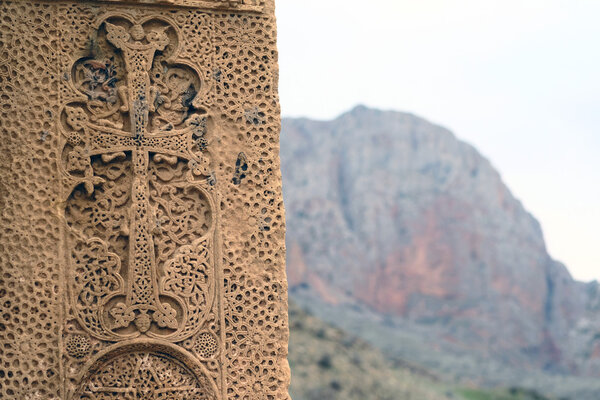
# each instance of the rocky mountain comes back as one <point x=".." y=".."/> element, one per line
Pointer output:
<point x="393" y="220"/>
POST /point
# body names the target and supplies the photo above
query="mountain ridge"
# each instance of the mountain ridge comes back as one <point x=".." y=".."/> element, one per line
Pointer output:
<point x="427" y="231"/>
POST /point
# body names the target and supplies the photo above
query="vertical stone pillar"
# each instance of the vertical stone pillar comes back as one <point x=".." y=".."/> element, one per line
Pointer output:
<point x="142" y="227"/>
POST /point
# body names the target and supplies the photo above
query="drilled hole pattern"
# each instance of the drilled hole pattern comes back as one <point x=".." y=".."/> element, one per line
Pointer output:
<point x="77" y="346"/>
<point x="29" y="265"/>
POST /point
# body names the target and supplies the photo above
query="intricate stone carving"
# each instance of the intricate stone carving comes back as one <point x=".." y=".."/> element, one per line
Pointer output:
<point x="127" y="227"/>
<point x="144" y="374"/>
<point x="78" y="346"/>
<point x="136" y="174"/>
<point x="205" y="345"/>
<point x="139" y="207"/>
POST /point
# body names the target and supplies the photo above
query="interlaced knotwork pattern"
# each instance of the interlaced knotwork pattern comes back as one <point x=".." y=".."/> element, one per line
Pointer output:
<point x="139" y="205"/>
<point x="144" y="375"/>
<point x="134" y="155"/>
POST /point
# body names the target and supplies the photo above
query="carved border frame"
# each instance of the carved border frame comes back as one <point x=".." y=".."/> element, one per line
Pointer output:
<point x="223" y="5"/>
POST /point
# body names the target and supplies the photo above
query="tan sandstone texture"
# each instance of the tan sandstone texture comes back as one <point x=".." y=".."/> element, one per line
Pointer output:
<point x="142" y="225"/>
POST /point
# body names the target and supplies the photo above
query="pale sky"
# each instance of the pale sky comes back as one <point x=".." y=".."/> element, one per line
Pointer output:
<point x="518" y="79"/>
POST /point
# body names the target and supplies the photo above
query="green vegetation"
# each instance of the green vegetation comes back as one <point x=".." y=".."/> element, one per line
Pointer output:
<point x="510" y="394"/>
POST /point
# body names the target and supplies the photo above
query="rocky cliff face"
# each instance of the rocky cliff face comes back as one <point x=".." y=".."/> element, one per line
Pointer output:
<point x="389" y="211"/>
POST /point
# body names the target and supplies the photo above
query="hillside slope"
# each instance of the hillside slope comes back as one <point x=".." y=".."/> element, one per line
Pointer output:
<point x="328" y="363"/>
<point x="391" y="214"/>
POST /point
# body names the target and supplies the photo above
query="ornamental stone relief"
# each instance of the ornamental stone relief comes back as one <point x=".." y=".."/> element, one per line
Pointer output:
<point x="139" y="204"/>
<point x="140" y="373"/>
<point x="139" y="207"/>
<point x="142" y="222"/>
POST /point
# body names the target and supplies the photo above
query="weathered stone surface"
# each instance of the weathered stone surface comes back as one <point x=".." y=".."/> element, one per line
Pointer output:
<point x="141" y="247"/>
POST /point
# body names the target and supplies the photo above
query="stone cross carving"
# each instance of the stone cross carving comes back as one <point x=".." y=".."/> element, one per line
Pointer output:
<point x="141" y="242"/>
<point x="142" y="294"/>
<point x="142" y="302"/>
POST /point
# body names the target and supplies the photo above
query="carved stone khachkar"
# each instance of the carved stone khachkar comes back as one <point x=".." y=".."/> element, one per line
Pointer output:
<point x="142" y="229"/>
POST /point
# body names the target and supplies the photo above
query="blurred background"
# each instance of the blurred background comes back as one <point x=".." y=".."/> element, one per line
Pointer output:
<point x="441" y="167"/>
